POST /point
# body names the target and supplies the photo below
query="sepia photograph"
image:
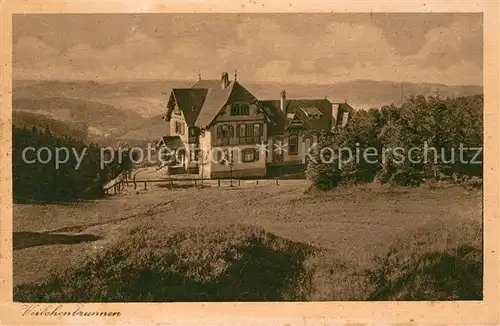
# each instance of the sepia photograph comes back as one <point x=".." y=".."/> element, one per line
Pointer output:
<point x="246" y="157"/>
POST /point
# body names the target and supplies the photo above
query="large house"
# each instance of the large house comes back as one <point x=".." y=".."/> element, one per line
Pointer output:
<point x="219" y="128"/>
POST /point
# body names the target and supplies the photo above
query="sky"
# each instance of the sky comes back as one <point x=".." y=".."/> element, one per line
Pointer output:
<point x="322" y="48"/>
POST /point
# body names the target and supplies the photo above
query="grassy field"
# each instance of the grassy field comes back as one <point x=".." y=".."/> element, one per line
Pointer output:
<point x="350" y="226"/>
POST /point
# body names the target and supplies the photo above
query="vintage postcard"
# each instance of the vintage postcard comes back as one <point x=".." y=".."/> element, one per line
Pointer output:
<point x="298" y="163"/>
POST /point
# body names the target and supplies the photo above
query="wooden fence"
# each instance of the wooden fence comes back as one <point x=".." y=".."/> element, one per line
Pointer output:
<point x="120" y="185"/>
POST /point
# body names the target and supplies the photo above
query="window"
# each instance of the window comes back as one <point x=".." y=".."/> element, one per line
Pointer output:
<point x="257" y="130"/>
<point x="240" y="109"/>
<point x="219" y="157"/>
<point x="224" y="131"/>
<point x="245" y="109"/>
<point x="235" y="109"/>
<point x="193" y="155"/>
<point x="293" y="147"/>
<point x="223" y="157"/>
<point x="242" y="130"/>
<point x="179" y="128"/>
<point x="250" y="155"/>
<point x="193" y="135"/>
<point x="250" y="133"/>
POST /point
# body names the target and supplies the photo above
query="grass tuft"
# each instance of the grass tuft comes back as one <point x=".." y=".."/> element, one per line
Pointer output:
<point x="237" y="263"/>
<point x="244" y="263"/>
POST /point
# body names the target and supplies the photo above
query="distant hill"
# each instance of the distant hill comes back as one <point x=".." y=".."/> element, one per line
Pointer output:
<point x="102" y="119"/>
<point x="131" y="110"/>
<point x="362" y="94"/>
<point x="148" y="97"/>
<point x="152" y="129"/>
<point x="58" y="128"/>
<point x="145" y="98"/>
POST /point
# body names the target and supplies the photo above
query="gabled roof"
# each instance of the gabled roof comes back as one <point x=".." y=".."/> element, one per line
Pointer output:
<point x="190" y="102"/>
<point x="202" y="103"/>
<point x="215" y="100"/>
<point x="299" y="108"/>
<point x="272" y="109"/>
<point x="171" y="142"/>
<point x="322" y="106"/>
<point x="341" y="108"/>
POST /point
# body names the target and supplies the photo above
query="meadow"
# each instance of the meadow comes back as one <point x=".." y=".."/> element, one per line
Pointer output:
<point x="370" y="242"/>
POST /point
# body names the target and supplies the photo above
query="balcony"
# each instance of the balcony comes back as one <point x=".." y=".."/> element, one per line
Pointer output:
<point x="249" y="140"/>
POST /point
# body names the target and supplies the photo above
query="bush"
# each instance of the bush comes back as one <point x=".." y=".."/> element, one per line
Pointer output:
<point x="239" y="263"/>
<point x="43" y="182"/>
<point x="431" y="265"/>
<point x="198" y="264"/>
<point x="445" y="125"/>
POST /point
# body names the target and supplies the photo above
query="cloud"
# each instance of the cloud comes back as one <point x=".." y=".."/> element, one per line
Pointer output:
<point x="447" y="45"/>
<point x="263" y="49"/>
<point x="348" y="51"/>
<point x="29" y="48"/>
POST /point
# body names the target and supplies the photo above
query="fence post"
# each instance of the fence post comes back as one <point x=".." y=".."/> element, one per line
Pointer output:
<point x="239" y="182"/>
<point x="218" y="183"/>
<point x="257" y="181"/>
<point x="145" y="185"/>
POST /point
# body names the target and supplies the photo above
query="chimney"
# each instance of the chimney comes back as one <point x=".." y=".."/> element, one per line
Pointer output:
<point x="335" y="115"/>
<point x="283" y="101"/>
<point x="225" y="80"/>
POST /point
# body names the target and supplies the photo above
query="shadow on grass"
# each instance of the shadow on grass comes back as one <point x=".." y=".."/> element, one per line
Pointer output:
<point x="192" y="265"/>
<point x="23" y="240"/>
<point x="456" y="275"/>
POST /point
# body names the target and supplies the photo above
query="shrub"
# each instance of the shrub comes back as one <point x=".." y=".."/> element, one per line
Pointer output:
<point x="442" y="264"/>
<point x="196" y="264"/>
<point x="43" y="182"/>
<point x="445" y="125"/>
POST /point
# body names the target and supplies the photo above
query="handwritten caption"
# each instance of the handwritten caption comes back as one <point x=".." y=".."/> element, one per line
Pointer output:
<point x="62" y="310"/>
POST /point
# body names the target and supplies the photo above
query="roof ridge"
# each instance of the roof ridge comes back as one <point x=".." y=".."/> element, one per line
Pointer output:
<point x="190" y="88"/>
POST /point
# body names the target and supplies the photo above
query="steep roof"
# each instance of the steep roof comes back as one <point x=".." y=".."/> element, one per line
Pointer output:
<point x="341" y="108"/>
<point x="172" y="142"/>
<point x="272" y="109"/>
<point x="312" y="122"/>
<point x="190" y="102"/>
<point x="204" y="100"/>
<point x="216" y="98"/>
<point x="321" y="117"/>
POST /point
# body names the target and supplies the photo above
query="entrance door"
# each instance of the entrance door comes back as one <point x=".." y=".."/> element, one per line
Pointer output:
<point x="277" y="150"/>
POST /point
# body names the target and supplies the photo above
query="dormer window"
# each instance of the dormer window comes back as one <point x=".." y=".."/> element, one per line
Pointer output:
<point x="345" y="118"/>
<point x="312" y="112"/>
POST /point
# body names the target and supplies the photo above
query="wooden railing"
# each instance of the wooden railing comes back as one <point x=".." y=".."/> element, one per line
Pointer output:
<point x="120" y="185"/>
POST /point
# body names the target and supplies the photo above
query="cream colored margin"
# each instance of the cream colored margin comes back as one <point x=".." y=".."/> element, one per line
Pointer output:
<point x="340" y="313"/>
